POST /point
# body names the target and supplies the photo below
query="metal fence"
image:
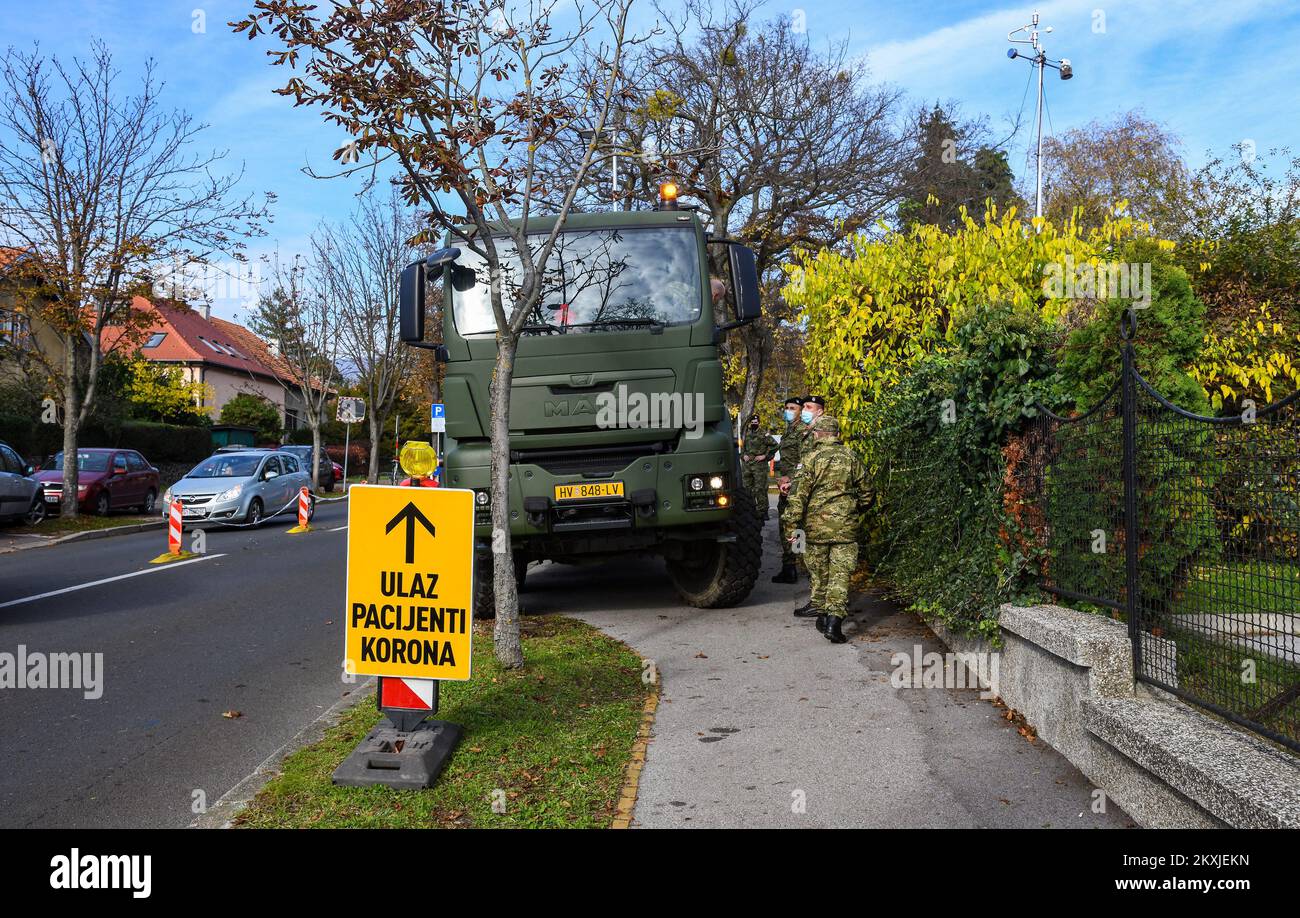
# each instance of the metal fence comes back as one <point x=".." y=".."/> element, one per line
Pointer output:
<point x="1189" y="526"/>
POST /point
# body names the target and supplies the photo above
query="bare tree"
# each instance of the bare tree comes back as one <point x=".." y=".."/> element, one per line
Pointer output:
<point x="101" y="191"/>
<point x="462" y="96"/>
<point x="360" y="264"/>
<point x="780" y="144"/>
<point x="1092" y="169"/>
<point x="303" y="325"/>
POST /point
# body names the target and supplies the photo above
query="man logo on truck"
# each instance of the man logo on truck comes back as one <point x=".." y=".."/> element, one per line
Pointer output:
<point x="563" y="409"/>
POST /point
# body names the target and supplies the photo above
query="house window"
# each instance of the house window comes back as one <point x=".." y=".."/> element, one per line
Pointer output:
<point x="15" y="329"/>
<point x="290" y="419"/>
<point x="155" y="339"/>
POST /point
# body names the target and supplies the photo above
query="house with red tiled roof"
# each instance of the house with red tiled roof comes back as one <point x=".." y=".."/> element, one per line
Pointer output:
<point x="226" y="357"/>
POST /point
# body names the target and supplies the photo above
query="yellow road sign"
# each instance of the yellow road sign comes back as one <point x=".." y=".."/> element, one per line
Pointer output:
<point x="410" y="583"/>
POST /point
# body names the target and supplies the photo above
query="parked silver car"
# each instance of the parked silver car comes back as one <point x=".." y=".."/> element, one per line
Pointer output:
<point x="20" y="494"/>
<point x="240" y="487"/>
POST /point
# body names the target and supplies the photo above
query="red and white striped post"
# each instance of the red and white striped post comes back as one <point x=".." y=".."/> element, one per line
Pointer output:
<point x="174" y="527"/>
<point x="304" y="507"/>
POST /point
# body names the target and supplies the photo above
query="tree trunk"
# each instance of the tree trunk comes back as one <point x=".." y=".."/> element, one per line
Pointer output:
<point x="758" y="348"/>
<point x="505" y="637"/>
<point x="376" y="422"/>
<point x="315" y="455"/>
<point x="71" y="427"/>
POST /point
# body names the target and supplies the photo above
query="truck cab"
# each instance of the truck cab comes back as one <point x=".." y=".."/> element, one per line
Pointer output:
<point x="620" y="438"/>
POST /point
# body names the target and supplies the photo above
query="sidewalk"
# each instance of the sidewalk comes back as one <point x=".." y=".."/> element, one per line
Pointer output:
<point x="759" y="713"/>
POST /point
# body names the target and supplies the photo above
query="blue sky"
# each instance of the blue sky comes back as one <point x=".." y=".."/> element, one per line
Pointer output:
<point x="1216" y="73"/>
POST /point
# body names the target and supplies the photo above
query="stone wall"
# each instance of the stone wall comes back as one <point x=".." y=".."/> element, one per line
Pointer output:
<point x="1070" y="674"/>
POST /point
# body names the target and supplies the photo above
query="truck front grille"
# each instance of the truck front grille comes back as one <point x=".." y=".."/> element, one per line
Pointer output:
<point x="592" y="462"/>
<point x="589" y="516"/>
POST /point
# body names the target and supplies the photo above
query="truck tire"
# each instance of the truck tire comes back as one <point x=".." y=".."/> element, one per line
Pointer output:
<point x="485" y="605"/>
<point x="714" y="575"/>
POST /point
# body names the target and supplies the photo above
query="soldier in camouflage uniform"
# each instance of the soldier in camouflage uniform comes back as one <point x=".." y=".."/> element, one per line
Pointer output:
<point x="757" y="448"/>
<point x="826" y="503"/>
<point x="791" y="439"/>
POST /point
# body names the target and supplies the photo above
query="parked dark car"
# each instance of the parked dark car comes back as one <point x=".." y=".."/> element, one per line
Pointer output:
<point x="20" y="492"/>
<point x="326" y="466"/>
<point x="107" y="479"/>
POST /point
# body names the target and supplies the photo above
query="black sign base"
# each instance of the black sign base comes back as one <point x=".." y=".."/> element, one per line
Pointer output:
<point x="400" y="758"/>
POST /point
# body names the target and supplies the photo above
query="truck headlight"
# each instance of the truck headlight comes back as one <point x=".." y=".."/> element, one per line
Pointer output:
<point x="715" y="483"/>
<point x="697" y="484"/>
<point x="482" y="498"/>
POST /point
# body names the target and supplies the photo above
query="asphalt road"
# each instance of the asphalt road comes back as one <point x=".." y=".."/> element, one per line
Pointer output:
<point x="254" y="627"/>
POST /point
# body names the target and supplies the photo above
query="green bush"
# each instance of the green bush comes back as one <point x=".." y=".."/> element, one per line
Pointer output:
<point x="939" y="534"/>
<point x="165" y="442"/>
<point x="1166" y="345"/>
<point x="249" y="410"/>
<point x="1176" y="466"/>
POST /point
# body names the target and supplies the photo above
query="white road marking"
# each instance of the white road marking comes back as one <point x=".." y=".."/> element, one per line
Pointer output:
<point x="337" y="529"/>
<point x="94" y="583"/>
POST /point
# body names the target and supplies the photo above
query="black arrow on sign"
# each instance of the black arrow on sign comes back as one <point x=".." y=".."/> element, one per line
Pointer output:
<point x="410" y="513"/>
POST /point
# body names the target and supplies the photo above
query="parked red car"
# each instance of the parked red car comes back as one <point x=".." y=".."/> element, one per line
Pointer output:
<point x="107" y="479"/>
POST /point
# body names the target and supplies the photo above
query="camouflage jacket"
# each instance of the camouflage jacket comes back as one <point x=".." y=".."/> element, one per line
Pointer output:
<point x="758" y="445"/>
<point x="792" y="441"/>
<point x="829" y="495"/>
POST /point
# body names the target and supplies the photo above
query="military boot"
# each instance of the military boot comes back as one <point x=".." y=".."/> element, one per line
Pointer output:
<point x="833" y="632"/>
<point x="806" y="610"/>
<point x="821" y="621"/>
<point x="788" y="574"/>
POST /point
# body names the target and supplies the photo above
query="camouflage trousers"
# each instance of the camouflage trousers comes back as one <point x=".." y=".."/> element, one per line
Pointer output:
<point x="830" y="564"/>
<point x="753" y="476"/>
<point x="783" y="533"/>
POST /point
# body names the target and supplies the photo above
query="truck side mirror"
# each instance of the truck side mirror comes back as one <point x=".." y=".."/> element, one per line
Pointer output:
<point x="411" y="302"/>
<point x="744" y="276"/>
<point x="415" y="278"/>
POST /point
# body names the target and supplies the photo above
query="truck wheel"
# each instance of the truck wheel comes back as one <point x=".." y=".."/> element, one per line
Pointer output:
<point x="485" y="605"/>
<point x="485" y="596"/>
<point x="714" y="575"/>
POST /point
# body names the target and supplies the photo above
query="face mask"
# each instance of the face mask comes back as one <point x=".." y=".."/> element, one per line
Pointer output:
<point x="788" y="414"/>
<point x="805" y="416"/>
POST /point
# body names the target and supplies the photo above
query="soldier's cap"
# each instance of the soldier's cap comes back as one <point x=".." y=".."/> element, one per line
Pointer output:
<point x="827" y="425"/>
<point x="752" y="418"/>
<point x="814" y="400"/>
<point x="793" y="400"/>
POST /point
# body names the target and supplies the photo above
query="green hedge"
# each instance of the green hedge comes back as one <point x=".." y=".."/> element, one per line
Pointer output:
<point x="939" y="535"/>
<point x="165" y="442"/>
<point x="156" y="442"/>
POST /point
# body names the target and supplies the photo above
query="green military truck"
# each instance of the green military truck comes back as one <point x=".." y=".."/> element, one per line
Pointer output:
<point x="620" y="440"/>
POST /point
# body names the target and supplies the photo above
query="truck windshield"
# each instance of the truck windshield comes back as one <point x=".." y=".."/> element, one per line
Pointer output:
<point x="597" y="280"/>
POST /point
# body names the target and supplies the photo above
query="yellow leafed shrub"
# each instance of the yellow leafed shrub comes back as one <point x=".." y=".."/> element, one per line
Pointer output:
<point x="871" y="313"/>
<point x="1256" y="358"/>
